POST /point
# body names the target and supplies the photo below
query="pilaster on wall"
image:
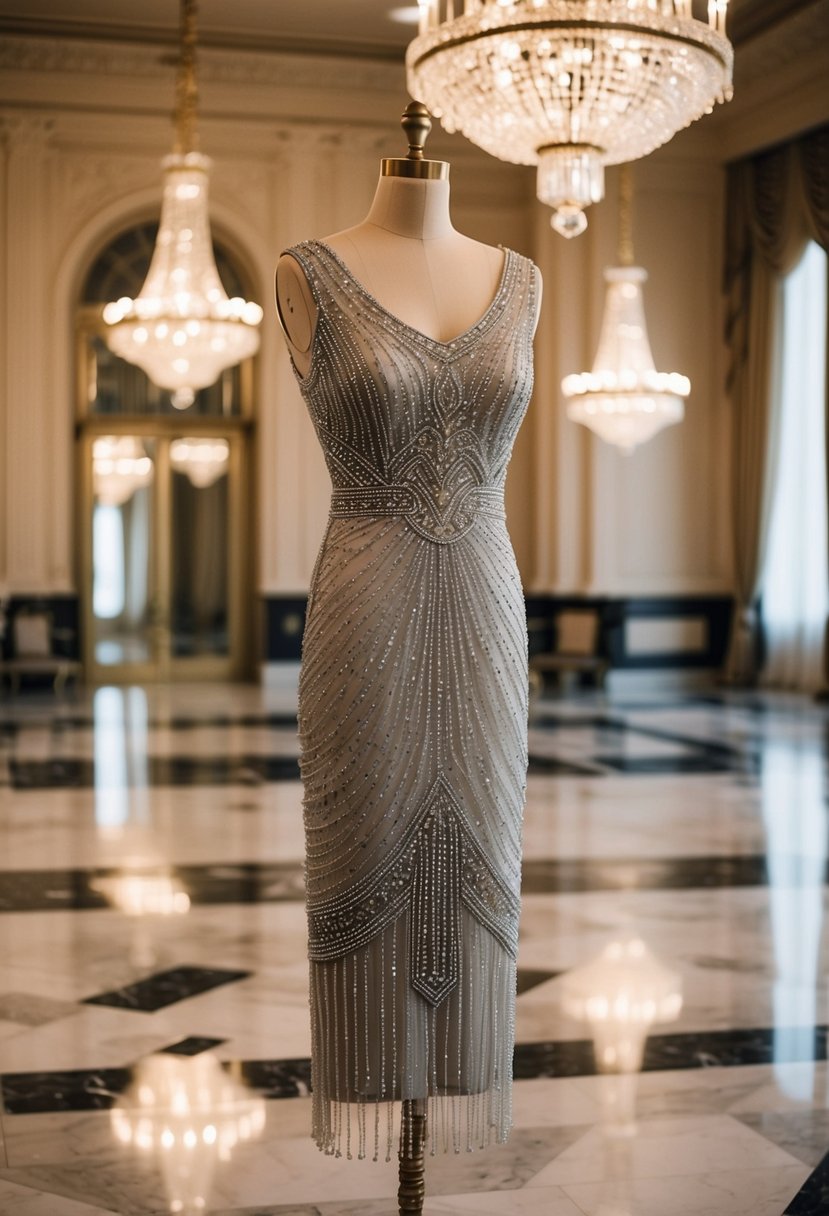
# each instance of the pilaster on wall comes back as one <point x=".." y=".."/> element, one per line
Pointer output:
<point x="37" y="477"/>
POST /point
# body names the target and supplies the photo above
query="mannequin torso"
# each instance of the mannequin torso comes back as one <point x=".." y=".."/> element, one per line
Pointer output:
<point x="408" y="256"/>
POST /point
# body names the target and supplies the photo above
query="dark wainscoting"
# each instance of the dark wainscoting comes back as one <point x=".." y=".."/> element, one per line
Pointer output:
<point x="65" y="613"/>
<point x="284" y="618"/>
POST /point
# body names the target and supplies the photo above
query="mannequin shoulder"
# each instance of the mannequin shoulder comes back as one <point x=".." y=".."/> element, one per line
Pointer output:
<point x="295" y="305"/>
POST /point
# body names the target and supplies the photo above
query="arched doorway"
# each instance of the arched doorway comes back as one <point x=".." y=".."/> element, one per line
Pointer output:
<point x="165" y="501"/>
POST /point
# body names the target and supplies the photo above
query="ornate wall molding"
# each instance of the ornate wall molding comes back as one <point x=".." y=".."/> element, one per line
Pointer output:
<point x="76" y="57"/>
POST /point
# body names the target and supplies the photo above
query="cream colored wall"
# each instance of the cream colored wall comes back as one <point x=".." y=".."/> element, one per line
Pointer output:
<point x="295" y="143"/>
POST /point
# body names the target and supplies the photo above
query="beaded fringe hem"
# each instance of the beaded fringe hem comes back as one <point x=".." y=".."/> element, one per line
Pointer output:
<point x="376" y="1041"/>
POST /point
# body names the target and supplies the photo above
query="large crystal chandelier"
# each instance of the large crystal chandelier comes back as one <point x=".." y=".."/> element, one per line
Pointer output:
<point x="569" y="85"/>
<point x="624" y="399"/>
<point x="182" y="329"/>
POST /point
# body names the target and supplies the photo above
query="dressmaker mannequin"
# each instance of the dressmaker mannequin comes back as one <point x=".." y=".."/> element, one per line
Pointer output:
<point x="405" y="253"/>
<point x="417" y="267"/>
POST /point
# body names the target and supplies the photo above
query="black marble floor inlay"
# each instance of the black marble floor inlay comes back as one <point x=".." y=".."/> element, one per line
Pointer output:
<point x="165" y="988"/>
<point x="76" y="773"/>
<point x="97" y="1089"/>
<point x="553" y="765"/>
<point x="282" y="882"/>
<point x="813" y="1197"/>
<point x="38" y="1093"/>
<point x="528" y="978"/>
<point x="182" y="722"/>
<point x="704" y="762"/>
<point x="193" y="1045"/>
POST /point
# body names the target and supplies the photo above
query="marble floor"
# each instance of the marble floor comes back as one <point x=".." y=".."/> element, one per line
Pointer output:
<point x="153" y="997"/>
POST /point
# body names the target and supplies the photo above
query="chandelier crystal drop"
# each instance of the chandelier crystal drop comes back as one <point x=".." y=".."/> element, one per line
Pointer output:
<point x="624" y="399"/>
<point x="569" y="85"/>
<point x="182" y="329"/>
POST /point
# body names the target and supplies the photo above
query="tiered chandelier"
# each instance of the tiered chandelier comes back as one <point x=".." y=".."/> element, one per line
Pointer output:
<point x="182" y="329"/>
<point x="624" y="399"/>
<point x="569" y="85"/>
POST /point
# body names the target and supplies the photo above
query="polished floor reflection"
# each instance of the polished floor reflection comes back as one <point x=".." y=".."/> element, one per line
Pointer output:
<point x="153" y="987"/>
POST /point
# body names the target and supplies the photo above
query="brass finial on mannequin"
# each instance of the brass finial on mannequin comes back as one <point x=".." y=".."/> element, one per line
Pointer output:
<point x="416" y="121"/>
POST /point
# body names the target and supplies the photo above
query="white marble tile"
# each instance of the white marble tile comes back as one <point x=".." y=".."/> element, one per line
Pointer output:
<point x="662" y="1148"/>
<point x="544" y="1201"/>
<point x="751" y="1088"/>
<point x="553" y="1103"/>
<point x="56" y="828"/>
<point x="131" y="1186"/>
<point x="27" y="1201"/>
<point x="757" y="1192"/>
<point x="59" y="1136"/>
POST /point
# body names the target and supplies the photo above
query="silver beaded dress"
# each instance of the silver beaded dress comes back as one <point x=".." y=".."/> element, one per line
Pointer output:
<point x="413" y="715"/>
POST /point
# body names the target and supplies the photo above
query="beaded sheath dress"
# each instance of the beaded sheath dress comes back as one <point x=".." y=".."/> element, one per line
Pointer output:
<point x="413" y="715"/>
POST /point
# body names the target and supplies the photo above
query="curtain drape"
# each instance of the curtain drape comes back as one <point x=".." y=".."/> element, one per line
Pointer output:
<point x="775" y="203"/>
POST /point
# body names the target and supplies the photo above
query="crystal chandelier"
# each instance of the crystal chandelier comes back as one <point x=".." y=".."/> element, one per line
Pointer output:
<point x="624" y="399"/>
<point x="569" y="85"/>
<point x="182" y="329"/>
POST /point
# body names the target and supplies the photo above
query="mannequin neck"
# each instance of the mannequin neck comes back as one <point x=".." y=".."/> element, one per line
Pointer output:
<point x="412" y="207"/>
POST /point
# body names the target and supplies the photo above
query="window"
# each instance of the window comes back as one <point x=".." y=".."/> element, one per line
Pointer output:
<point x="795" y="596"/>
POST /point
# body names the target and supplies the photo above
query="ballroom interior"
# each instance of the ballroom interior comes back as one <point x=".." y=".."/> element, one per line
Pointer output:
<point x="156" y="556"/>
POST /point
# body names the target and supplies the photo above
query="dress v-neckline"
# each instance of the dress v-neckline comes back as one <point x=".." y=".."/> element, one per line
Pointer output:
<point x="449" y="345"/>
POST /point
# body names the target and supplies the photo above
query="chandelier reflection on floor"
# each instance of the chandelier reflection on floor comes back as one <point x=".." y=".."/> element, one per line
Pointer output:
<point x="624" y="399"/>
<point x="182" y="329"/>
<point x="621" y="994"/>
<point x="190" y="1114"/>
<point x="569" y="85"/>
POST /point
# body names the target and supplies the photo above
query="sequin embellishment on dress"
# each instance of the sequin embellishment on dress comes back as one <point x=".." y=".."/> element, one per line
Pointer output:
<point x="413" y="715"/>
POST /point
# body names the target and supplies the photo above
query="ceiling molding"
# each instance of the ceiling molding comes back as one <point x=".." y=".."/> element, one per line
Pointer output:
<point x="151" y="35"/>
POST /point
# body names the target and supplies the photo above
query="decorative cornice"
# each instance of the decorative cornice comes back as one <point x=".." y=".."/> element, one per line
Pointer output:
<point x="276" y="69"/>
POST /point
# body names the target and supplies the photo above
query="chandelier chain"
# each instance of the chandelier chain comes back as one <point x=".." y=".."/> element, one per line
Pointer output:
<point x="187" y="88"/>
<point x="625" y="252"/>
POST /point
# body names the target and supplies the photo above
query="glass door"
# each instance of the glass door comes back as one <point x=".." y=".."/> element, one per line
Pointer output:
<point x="165" y="552"/>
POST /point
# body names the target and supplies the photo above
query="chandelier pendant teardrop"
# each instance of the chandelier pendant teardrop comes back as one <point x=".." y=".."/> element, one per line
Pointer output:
<point x="569" y="85"/>
<point x="182" y="329"/>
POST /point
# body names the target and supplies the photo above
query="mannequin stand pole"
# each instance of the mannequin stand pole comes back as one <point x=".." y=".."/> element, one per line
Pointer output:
<point x="412" y="1188"/>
